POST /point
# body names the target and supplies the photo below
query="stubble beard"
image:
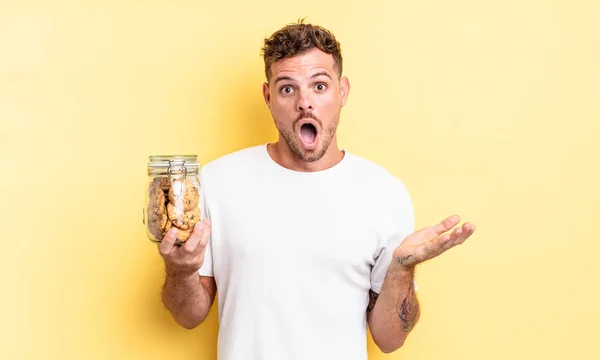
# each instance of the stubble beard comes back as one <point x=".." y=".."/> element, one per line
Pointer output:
<point x="292" y="141"/>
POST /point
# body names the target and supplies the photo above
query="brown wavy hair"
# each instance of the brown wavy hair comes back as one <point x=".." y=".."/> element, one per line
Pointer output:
<point x="296" y="39"/>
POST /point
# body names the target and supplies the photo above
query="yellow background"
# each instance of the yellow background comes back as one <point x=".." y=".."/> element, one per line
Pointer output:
<point x="486" y="109"/>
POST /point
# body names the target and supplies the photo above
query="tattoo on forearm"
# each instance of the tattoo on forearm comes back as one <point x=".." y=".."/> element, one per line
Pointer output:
<point x="407" y="310"/>
<point x="402" y="260"/>
<point x="372" y="299"/>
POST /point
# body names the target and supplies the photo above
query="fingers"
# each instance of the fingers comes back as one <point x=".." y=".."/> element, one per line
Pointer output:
<point x="452" y="238"/>
<point x="468" y="230"/>
<point x="460" y="234"/>
<point x="194" y="239"/>
<point x="187" y="258"/>
<point x="443" y="242"/>
<point x="457" y="237"/>
<point x="447" y="224"/>
<point x="446" y="242"/>
<point x="167" y="243"/>
<point x="199" y="237"/>
<point x="206" y="233"/>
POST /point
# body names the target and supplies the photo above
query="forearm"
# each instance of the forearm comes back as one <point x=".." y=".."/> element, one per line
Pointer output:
<point x="186" y="299"/>
<point x="396" y="311"/>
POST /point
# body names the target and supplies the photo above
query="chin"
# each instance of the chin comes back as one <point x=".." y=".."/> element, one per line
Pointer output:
<point x="301" y="152"/>
<point x="309" y="155"/>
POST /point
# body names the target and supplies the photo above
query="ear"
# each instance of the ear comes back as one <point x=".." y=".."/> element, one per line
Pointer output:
<point x="344" y="89"/>
<point x="267" y="94"/>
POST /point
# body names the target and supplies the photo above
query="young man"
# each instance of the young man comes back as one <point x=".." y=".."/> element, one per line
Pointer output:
<point x="306" y="243"/>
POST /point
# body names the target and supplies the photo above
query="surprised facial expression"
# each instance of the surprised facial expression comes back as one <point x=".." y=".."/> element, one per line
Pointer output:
<point x="305" y="96"/>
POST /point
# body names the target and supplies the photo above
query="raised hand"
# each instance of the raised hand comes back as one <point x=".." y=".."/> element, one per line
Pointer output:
<point x="432" y="241"/>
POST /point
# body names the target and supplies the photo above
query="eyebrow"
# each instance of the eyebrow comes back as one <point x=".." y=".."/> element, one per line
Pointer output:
<point x="285" y="77"/>
<point x="321" y="73"/>
<point x="281" y="78"/>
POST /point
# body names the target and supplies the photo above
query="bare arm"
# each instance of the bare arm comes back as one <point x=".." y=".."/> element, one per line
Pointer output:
<point x="397" y="309"/>
<point x="187" y="295"/>
<point x="394" y="312"/>
<point x="189" y="298"/>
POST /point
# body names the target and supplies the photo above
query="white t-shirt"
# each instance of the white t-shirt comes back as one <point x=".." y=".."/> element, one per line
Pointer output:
<point x="294" y="254"/>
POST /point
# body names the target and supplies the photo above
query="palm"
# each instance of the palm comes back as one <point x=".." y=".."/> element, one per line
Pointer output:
<point x="432" y="241"/>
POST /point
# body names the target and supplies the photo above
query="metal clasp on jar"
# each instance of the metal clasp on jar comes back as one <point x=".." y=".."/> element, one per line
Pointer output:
<point x="177" y="167"/>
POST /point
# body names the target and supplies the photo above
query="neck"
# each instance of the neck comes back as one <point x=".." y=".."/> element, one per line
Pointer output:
<point x="284" y="156"/>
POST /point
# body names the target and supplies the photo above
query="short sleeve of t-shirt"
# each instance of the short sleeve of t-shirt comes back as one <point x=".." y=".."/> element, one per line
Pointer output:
<point x="402" y="226"/>
<point x="207" y="266"/>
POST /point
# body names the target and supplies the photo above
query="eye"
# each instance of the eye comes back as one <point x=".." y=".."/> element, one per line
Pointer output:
<point x="321" y="87"/>
<point x="286" y="89"/>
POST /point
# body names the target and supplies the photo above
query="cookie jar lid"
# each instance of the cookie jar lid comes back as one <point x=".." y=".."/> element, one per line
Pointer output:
<point x="172" y="164"/>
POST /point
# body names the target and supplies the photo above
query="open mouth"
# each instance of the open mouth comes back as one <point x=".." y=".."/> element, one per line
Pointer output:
<point x="308" y="135"/>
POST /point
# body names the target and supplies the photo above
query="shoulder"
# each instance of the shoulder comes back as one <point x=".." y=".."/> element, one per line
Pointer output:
<point x="376" y="177"/>
<point x="385" y="195"/>
<point x="237" y="162"/>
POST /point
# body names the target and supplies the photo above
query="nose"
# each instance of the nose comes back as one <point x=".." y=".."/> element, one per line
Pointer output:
<point x="304" y="102"/>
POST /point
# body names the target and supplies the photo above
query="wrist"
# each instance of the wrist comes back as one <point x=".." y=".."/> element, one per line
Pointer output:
<point x="180" y="274"/>
<point x="402" y="269"/>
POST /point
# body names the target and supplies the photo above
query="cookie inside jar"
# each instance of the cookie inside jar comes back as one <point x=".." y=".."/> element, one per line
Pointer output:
<point x="173" y="202"/>
<point x="173" y="196"/>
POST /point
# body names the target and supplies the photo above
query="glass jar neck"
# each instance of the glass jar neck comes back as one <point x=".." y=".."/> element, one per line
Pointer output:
<point x="173" y="165"/>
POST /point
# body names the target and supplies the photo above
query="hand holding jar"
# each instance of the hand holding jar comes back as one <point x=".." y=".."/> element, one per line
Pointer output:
<point x="187" y="259"/>
<point x="172" y="197"/>
<point x="172" y="213"/>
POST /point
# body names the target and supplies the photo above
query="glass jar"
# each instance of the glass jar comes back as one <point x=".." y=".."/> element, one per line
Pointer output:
<point x="172" y="196"/>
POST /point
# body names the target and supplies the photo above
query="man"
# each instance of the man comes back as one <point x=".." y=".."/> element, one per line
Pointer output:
<point x="306" y="243"/>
